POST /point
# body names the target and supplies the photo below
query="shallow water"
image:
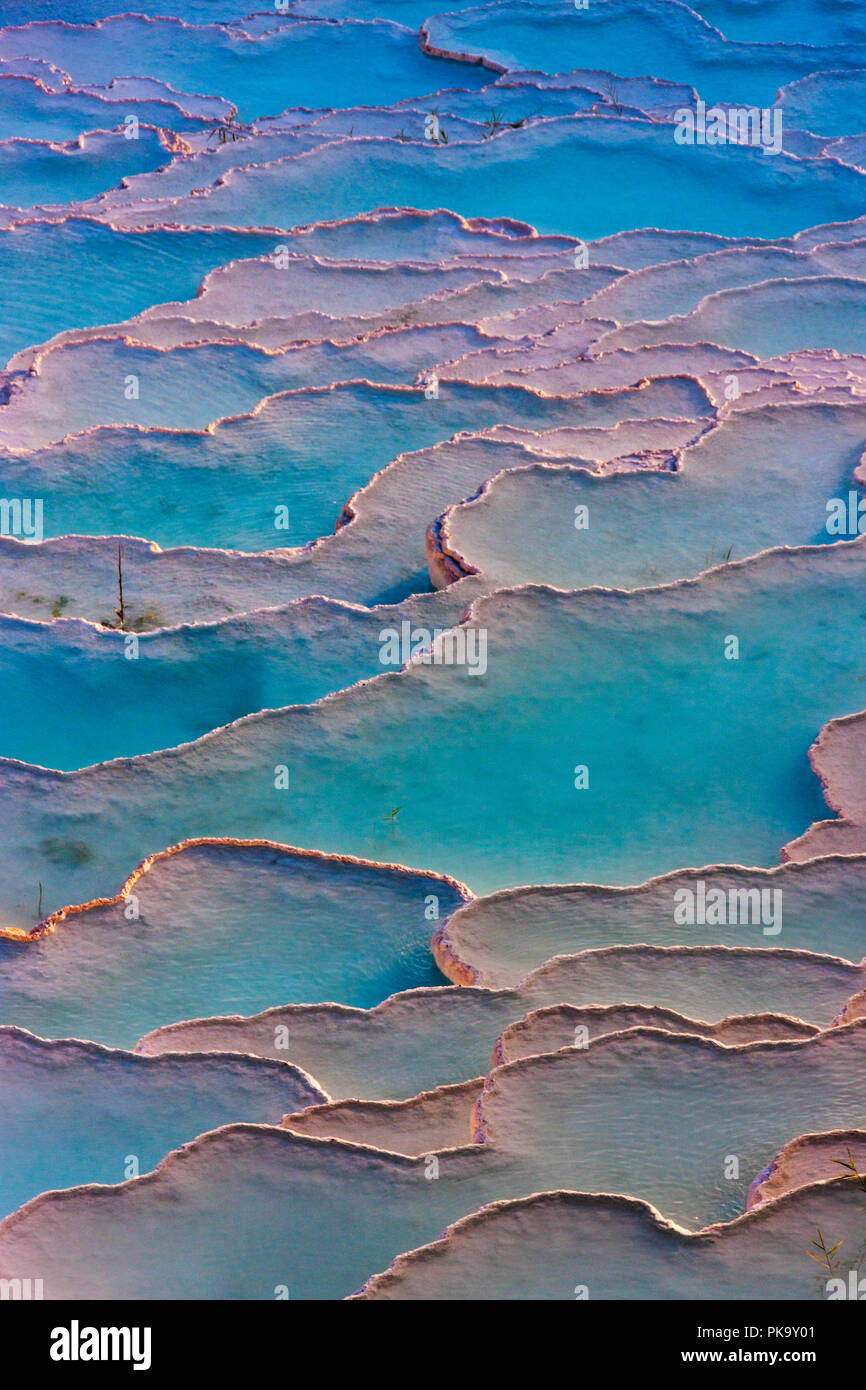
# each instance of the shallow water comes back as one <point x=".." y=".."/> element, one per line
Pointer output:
<point x="121" y="697"/>
<point x="112" y="1116"/>
<point x="241" y="436"/>
<point x="223" y="929"/>
<point x="34" y="172"/>
<point x="296" y="64"/>
<point x="763" y="478"/>
<point x="27" y="112"/>
<point x="601" y="177"/>
<point x="281" y="477"/>
<point x="631" y="40"/>
<point x="421" y="1039"/>
<point x="815" y="906"/>
<point x="491" y="738"/>
<point x="75" y="273"/>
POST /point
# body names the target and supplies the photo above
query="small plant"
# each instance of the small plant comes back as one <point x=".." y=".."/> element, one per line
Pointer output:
<point x="493" y="123"/>
<point x="710" y="561"/>
<point x="230" y="129"/>
<point x="611" y="92"/>
<point x="59" y="606"/>
<point x="120" y="609"/>
<point x="825" y="1255"/>
<point x="391" y="818"/>
<point x="496" y="122"/>
<point x="851" y="1167"/>
<point x="39" y="904"/>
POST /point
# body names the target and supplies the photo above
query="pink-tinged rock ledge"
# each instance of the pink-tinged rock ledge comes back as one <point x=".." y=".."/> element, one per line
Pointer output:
<point x="811" y="1158"/>
<point x="838" y="758"/>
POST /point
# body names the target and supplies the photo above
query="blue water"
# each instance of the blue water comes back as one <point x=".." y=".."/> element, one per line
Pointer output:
<point x="631" y="40"/>
<point x="313" y="65"/>
<point x="27" y="112"/>
<point x="618" y="676"/>
<point x="308" y="452"/>
<point x="285" y="725"/>
<point x="36" y="173"/>
<point x="181" y="683"/>
<point x="111" y="1116"/>
<point x="78" y="273"/>
<point x="599" y="179"/>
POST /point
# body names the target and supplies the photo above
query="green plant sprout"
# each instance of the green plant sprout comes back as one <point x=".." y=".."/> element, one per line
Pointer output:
<point x="851" y="1167"/>
<point x="493" y="123"/>
<point x="120" y="609"/>
<point x="825" y="1255"/>
<point x="230" y="128"/>
<point x="496" y="122"/>
<point x="710" y="561"/>
<point x="611" y="91"/>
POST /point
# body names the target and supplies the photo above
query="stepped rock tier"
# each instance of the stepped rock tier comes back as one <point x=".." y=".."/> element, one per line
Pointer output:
<point x="432" y="655"/>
